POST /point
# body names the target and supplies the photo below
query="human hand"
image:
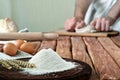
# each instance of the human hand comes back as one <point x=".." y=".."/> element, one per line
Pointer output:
<point x="102" y="24"/>
<point x="71" y="23"/>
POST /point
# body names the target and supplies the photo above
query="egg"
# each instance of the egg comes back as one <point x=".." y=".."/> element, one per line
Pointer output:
<point x="10" y="49"/>
<point x="18" y="43"/>
<point x="32" y="44"/>
<point x="27" y="47"/>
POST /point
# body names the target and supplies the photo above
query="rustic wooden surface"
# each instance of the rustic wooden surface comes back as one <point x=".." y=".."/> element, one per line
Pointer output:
<point x="101" y="53"/>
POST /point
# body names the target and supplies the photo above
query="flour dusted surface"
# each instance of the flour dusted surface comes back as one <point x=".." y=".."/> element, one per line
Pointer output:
<point x="48" y="61"/>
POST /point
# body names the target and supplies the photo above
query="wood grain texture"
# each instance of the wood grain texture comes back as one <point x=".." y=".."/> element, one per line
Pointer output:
<point x="62" y="32"/>
<point x="79" y="53"/>
<point x="64" y="47"/>
<point x="111" y="48"/>
<point x="48" y="44"/>
<point x="101" y="53"/>
<point x="104" y="64"/>
<point x="116" y="40"/>
<point x="79" y="50"/>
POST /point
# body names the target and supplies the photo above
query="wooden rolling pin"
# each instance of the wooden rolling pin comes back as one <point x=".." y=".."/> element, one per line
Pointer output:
<point x="28" y="36"/>
<point x="51" y="35"/>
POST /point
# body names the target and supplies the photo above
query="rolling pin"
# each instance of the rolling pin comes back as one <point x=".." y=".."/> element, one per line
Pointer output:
<point x="51" y="35"/>
<point x="28" y="36"/>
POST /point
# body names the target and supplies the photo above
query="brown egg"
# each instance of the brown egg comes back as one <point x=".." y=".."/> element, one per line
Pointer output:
<point x="27" y="47"/>
<point x="10" y="49"/>
<point x="32" y="44"/>
<point x="18" y="43"/>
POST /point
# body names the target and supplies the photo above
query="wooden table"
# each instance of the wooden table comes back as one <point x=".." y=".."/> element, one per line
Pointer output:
<point x="101" y="53"/>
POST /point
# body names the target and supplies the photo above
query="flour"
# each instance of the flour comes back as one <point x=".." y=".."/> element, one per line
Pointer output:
<point x="48" y="61"/>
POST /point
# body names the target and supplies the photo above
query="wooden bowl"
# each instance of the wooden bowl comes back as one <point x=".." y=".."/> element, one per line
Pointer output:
<point x="81" y="72"/>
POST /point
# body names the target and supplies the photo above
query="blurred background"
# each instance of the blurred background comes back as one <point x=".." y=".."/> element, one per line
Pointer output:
<point x="37" y="15"/>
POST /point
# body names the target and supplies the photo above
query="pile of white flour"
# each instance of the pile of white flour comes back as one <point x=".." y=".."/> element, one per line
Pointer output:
<point x="48" y="61"/>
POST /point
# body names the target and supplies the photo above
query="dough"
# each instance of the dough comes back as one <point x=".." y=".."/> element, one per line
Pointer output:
<point x="85" y="29"/>
<point x="7" y="25"/>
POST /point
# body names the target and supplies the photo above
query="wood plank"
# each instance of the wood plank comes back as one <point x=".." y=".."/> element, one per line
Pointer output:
<point x="79" y="53"/>
<point x="79" y="50"/>
<point x="104" y="64"/>
<point x="62" y="32"/>
<point x="113" y="50"/>
<point x="116" y="40"/>
<point x="64" y="47"/>
<point x="48" y="44"/>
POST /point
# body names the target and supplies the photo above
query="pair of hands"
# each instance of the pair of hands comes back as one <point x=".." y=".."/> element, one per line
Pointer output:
<point x="99" y="24"/>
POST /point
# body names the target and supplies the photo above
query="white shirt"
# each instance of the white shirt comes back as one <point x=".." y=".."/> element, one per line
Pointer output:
<point x="100" y="8"/>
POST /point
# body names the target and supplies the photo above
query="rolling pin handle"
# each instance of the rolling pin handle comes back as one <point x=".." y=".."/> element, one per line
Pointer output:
<point x="50" y="36"/>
